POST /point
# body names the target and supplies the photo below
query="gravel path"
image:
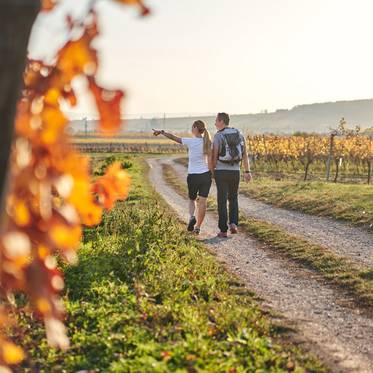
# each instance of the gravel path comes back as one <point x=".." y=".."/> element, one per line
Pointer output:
<point x="342" y="238"/>
<point x="340" y="336"/>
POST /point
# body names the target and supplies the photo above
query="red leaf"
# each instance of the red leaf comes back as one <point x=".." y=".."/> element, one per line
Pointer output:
<point x="108" y="105"/>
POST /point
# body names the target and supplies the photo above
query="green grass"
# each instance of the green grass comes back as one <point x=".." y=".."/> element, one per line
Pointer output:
<point x="349" y="202"/>
<point x="342" y="272"/>
<point x="337" y="270"/>
<point x="146" y="297"/>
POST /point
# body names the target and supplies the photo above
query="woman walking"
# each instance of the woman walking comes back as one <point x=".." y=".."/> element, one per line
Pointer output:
<point x="199" y="171"/>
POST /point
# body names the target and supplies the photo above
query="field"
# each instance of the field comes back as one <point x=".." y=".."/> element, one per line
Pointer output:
<point x="132" y="142"/>
<point x="304" y="156"/>
<point x="346" y="154"/>
<point x="123" y="140"/>
<point x="147" y="298"/>
<point x="129" y="137"/>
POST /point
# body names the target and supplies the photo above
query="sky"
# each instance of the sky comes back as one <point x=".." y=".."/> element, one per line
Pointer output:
<point x="239" y="56"/>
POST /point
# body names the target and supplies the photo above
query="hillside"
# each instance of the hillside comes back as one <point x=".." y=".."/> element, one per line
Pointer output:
<point x="319" y="117"/>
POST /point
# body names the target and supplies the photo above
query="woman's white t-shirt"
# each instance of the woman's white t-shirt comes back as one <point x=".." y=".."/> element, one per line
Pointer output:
<point x="197" y="159"/>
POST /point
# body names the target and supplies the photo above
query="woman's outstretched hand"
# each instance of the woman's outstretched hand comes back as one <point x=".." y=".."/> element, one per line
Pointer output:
<point x="156" y="132"/>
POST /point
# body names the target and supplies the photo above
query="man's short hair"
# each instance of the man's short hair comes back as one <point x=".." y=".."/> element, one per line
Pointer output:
<point x="224" y="117"/>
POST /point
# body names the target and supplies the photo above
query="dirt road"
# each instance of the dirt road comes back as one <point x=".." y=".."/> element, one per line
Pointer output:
<point x="341" y="336"/>
<point x="342" y="238"/>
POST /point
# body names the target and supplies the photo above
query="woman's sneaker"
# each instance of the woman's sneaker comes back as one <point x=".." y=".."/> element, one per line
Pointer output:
<point x="191" y="224"/>
<point x="233" y="228"/>
<point x="222" y="235"/>
<point x="197" y="230"/>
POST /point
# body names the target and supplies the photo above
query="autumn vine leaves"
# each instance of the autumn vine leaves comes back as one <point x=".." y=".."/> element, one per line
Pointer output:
<point x="51" y="193"/>
<point x="350" y="146"/>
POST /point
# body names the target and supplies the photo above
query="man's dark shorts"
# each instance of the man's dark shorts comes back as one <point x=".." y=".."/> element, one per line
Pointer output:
<point x="199" y="184"/>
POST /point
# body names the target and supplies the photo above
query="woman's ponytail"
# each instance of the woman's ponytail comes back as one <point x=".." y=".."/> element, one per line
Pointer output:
<point x="206" y="141"/>
<point x="201" y="126"/>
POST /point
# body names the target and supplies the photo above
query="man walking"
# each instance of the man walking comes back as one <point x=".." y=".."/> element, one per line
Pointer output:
<point x="228" y="151"/>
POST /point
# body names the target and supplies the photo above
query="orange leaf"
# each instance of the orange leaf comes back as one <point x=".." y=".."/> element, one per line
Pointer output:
<point x="21" y="213"/>
<point x="81" y="197"/>
<point x="48" y="5"/>
<point x="76" y="58"/>
<point x="43" y="306"/>
<point x="144" y="9"/>
<point x="11" y="354"/>
<point x="108" y="105"/>
<point x="53" y="125"/>
<point x="69" y="95"/>
<point x="64" y="236"/>
<point x="114" y="185"/>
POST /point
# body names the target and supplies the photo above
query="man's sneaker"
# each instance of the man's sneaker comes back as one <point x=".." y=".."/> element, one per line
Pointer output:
<point x="233" y="228"/>
<point x="192" y="223"/>
<point x="222" y="235"/>
<point x="197" y="230"/>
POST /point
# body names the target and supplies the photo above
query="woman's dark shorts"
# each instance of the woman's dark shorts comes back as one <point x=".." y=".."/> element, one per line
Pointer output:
<point x="199" y="184"/>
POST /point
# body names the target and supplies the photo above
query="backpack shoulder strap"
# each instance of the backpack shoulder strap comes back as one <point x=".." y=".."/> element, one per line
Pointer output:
<point x="223" y="143"/>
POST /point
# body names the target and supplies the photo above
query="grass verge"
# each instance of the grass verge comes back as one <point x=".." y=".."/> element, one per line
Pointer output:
<point x="337" y="270"/>
<point x="146" y="297"/>
<point x="348" y="202"/>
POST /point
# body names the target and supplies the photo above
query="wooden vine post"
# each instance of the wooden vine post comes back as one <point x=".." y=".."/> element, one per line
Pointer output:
<point x="330" y="156"/>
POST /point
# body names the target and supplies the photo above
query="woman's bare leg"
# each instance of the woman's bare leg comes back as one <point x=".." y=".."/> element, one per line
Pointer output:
<point x="192" y="207"/>
<point x="201" y="211"/>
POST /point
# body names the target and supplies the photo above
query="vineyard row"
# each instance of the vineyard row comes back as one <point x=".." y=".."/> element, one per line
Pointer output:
<point x="308" y="149"/>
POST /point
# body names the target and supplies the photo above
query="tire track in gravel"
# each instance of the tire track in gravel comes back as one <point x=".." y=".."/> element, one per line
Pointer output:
<point x="339" y="335"/>
<point x="352" y="242"/>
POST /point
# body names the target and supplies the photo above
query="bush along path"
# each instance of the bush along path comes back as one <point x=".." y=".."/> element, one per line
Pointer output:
<point x="341" y="237"/>
<point x="145" y="297"/>
<point x="341" y="335"/>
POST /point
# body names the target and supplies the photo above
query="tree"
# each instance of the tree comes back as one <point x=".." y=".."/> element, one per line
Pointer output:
<point x="50" y="193"/>
<point x="16" y="20"/>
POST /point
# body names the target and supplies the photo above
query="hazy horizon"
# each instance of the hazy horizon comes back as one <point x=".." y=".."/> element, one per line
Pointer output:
<point x="160" y="115"/>
<point x="202" y="57"/>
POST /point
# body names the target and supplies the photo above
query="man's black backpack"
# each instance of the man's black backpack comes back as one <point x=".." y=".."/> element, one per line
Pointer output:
<point x="231" y="150"/>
